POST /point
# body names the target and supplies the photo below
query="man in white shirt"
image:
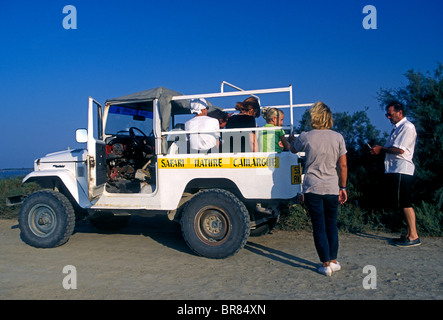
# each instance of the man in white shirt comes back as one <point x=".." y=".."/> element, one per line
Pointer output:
<point x="202" y="142"/>
<point x="399" y="168"/>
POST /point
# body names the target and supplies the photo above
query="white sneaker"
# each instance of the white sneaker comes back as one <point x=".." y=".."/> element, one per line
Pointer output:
<point x="335" y="266"/>
<point x="327" y="271"/>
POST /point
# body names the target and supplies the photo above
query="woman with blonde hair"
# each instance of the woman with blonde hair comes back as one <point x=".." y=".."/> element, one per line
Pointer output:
<point x="323" y="189"/>
<point x="273" y="140"/>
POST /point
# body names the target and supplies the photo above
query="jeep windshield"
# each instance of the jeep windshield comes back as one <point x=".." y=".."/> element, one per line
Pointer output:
<point x="120" y="119"/>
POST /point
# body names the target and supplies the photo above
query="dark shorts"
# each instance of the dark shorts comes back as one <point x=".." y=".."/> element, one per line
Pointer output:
<point x="399" y="190"/>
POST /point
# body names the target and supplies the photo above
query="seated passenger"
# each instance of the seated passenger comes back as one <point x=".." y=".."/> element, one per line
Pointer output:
<point x="221" y="116"/>
<point x="249" y="110"/>
<point x="273" y="140"/>
<point x="202" y="142"/>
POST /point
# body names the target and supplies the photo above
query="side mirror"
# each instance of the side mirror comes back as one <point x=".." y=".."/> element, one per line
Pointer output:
<point x="81" y="135"/>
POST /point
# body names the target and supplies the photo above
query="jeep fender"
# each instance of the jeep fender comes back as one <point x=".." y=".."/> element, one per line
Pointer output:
<point x="64" y="181"/>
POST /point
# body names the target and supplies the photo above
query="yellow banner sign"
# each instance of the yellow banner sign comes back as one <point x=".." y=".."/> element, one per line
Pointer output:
<point x="219" y="163"/>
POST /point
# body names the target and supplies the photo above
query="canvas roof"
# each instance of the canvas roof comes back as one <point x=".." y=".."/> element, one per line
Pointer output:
<point x="167" y="107"/>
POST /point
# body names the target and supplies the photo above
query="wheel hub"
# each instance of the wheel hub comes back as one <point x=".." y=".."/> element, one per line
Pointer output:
<point x="213" y="226"/>
<point x="42" y="220"/>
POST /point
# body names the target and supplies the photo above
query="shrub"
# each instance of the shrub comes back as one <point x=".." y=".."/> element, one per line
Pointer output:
<point x="353" y="219"/>
<point x="429" y="219"/>
<point x="294" y="217"/>
<point x="350" y="219"/>
<point x="12" y="187"/>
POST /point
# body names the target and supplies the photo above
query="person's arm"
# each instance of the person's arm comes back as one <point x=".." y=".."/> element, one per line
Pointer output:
<point x="253" y="142"/>
<point x="401" y="142"/>
<point x="291" y="140"/>
<point x="342" y="178"/>
<point x="378" y="149"/>
<point x="285" y="143"/>
<point x="217" y="134"/>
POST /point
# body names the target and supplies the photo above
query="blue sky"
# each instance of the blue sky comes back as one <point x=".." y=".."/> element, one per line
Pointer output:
<point x="320" y="47"/>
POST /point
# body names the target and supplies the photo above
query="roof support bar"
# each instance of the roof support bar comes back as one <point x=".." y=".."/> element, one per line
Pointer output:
<point x="232" y="94"/>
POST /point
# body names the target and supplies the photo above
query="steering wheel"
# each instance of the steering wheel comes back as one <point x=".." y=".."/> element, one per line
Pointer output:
<point x="142" y="142"/>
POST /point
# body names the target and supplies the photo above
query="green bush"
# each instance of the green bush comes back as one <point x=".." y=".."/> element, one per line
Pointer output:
<point x="429" y="219"/>
<point x="350" y="219"/>
<point x="353" y="219"/>
<point x="12" y="187"/>
<point x="294" y="217"/>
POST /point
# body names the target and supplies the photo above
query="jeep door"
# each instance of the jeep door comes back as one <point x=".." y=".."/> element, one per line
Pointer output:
<point x="96" y="150"/>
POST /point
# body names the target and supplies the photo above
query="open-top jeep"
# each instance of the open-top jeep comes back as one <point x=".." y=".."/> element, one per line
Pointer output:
<point x="135" y="162"/>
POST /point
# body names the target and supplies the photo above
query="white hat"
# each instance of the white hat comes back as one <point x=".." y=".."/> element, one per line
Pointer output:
<point x="197" y="105"/>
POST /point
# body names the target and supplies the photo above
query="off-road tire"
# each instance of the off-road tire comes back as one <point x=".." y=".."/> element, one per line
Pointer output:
<point x="215" y="224"/>
<point x="46" y="219"/>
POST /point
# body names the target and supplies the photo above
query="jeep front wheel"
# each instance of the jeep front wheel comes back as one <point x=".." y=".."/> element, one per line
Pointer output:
<point x="215" y="224"/>
<point x="46" y="219"/>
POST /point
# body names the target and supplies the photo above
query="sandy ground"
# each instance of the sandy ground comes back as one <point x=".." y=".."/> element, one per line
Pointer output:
<point x="150" y="260"/>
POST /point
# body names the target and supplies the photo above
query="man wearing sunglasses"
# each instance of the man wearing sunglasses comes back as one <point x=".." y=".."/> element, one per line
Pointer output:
<point x="399" y="169"/>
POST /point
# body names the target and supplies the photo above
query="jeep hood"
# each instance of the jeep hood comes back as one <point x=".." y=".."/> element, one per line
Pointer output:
<point x="75" y="155"/>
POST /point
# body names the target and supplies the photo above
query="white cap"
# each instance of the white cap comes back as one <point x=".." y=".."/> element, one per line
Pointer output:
<point x="197" y="105"/>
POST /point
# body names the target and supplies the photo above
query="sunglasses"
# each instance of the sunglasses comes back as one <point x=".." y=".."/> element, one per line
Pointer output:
<point x="390" y="115"/>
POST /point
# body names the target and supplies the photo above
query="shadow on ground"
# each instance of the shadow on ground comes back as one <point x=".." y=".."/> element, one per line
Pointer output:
<point x="156" y="226"/>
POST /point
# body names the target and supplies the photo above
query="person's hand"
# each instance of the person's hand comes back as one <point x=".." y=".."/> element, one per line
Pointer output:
<point x="301" y="198"/>
<point x="376" y="149"/>
<point x="342" y="196"/>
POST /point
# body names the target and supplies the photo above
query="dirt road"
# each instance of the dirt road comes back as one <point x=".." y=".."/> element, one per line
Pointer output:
<point x="150" y="260"/>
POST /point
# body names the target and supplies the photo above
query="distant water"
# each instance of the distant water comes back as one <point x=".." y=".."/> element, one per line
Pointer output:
<point x="14" y="173"/>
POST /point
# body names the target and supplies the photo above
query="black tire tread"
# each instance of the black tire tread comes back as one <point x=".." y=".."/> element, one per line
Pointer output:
<point x="69" y="210"/>
<point x="244" y="216"/>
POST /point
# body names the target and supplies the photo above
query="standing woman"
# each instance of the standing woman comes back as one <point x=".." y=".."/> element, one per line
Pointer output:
<point x="323" y="189"/>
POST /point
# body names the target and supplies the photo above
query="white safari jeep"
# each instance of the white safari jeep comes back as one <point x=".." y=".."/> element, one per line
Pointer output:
<point x="135" y="162"/>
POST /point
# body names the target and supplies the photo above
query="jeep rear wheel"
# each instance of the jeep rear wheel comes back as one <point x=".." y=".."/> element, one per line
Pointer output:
<point x="215" y="224"/>
<point x="46" y="219"/>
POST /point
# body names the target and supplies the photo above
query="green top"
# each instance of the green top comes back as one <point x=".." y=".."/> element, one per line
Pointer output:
<point x="270" y="138"/>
